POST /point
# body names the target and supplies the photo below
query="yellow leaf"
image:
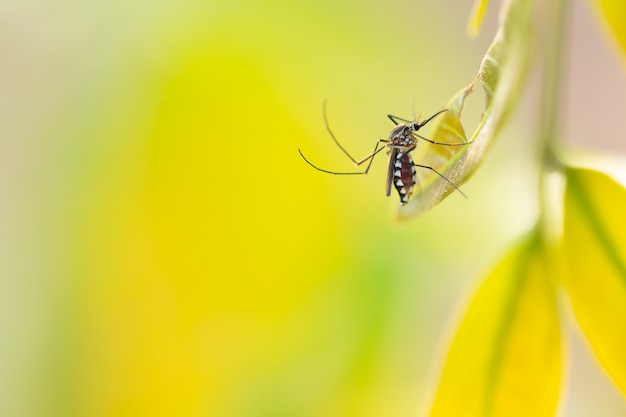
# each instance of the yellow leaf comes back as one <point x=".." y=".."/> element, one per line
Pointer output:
<point x="594" y="243"/>
<point x="501" y="75"/>
<point x="476" y="19"/>
<point x="505" y="359"/>
<point x="614" y="13"/>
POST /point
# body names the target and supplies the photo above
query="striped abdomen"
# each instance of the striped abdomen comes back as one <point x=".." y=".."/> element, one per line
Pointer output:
<point x="403" y="174"/>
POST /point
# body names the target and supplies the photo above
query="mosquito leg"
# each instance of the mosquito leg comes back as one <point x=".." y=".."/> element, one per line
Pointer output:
<point x="442" y="176"/>
<point x="395" y="119"/>
<point x="419" y="125"/>
<point x="441" y="143"/>
<point x="326" y="171"/>
<point x="332" y="135"/>
<point x="370" y="157"/>
<point x="431" y="118"/>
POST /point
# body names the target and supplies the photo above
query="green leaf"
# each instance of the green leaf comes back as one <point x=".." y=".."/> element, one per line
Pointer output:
<point x="594" y="245"/>
<point x="476" y="19"/>
<point x="505" y="359"/>
<point x="501" y="75"/>
<point x="614" y="14"/>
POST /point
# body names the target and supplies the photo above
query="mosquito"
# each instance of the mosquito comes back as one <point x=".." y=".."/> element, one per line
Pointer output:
<point x="402" y="141"/>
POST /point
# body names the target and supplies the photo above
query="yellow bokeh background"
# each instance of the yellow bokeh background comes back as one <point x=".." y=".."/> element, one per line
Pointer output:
<point x="165" y="250"/>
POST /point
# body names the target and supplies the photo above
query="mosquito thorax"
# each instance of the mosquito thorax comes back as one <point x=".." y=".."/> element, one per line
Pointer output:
<point x="401" y="135"/>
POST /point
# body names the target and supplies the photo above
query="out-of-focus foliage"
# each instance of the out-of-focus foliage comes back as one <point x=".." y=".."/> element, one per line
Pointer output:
<point x="594" y="246"/>
<point x="478" y="14"/>
<point x="614" y="14"/>
<point x="505" y="359"/>
<point x="164" y="251"/>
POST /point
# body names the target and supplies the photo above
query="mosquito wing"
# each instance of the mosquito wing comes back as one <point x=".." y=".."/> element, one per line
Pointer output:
<point x="390" y="170"/>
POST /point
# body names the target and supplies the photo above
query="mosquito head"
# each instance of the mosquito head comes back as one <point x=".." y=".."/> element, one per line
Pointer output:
<point x="415" y="126"/>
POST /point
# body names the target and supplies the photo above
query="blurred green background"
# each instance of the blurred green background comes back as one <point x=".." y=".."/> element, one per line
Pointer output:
<point x="164" y="250"/>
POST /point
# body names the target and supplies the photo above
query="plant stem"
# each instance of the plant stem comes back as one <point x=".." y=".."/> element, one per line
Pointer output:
<point x="553" y="55"/>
